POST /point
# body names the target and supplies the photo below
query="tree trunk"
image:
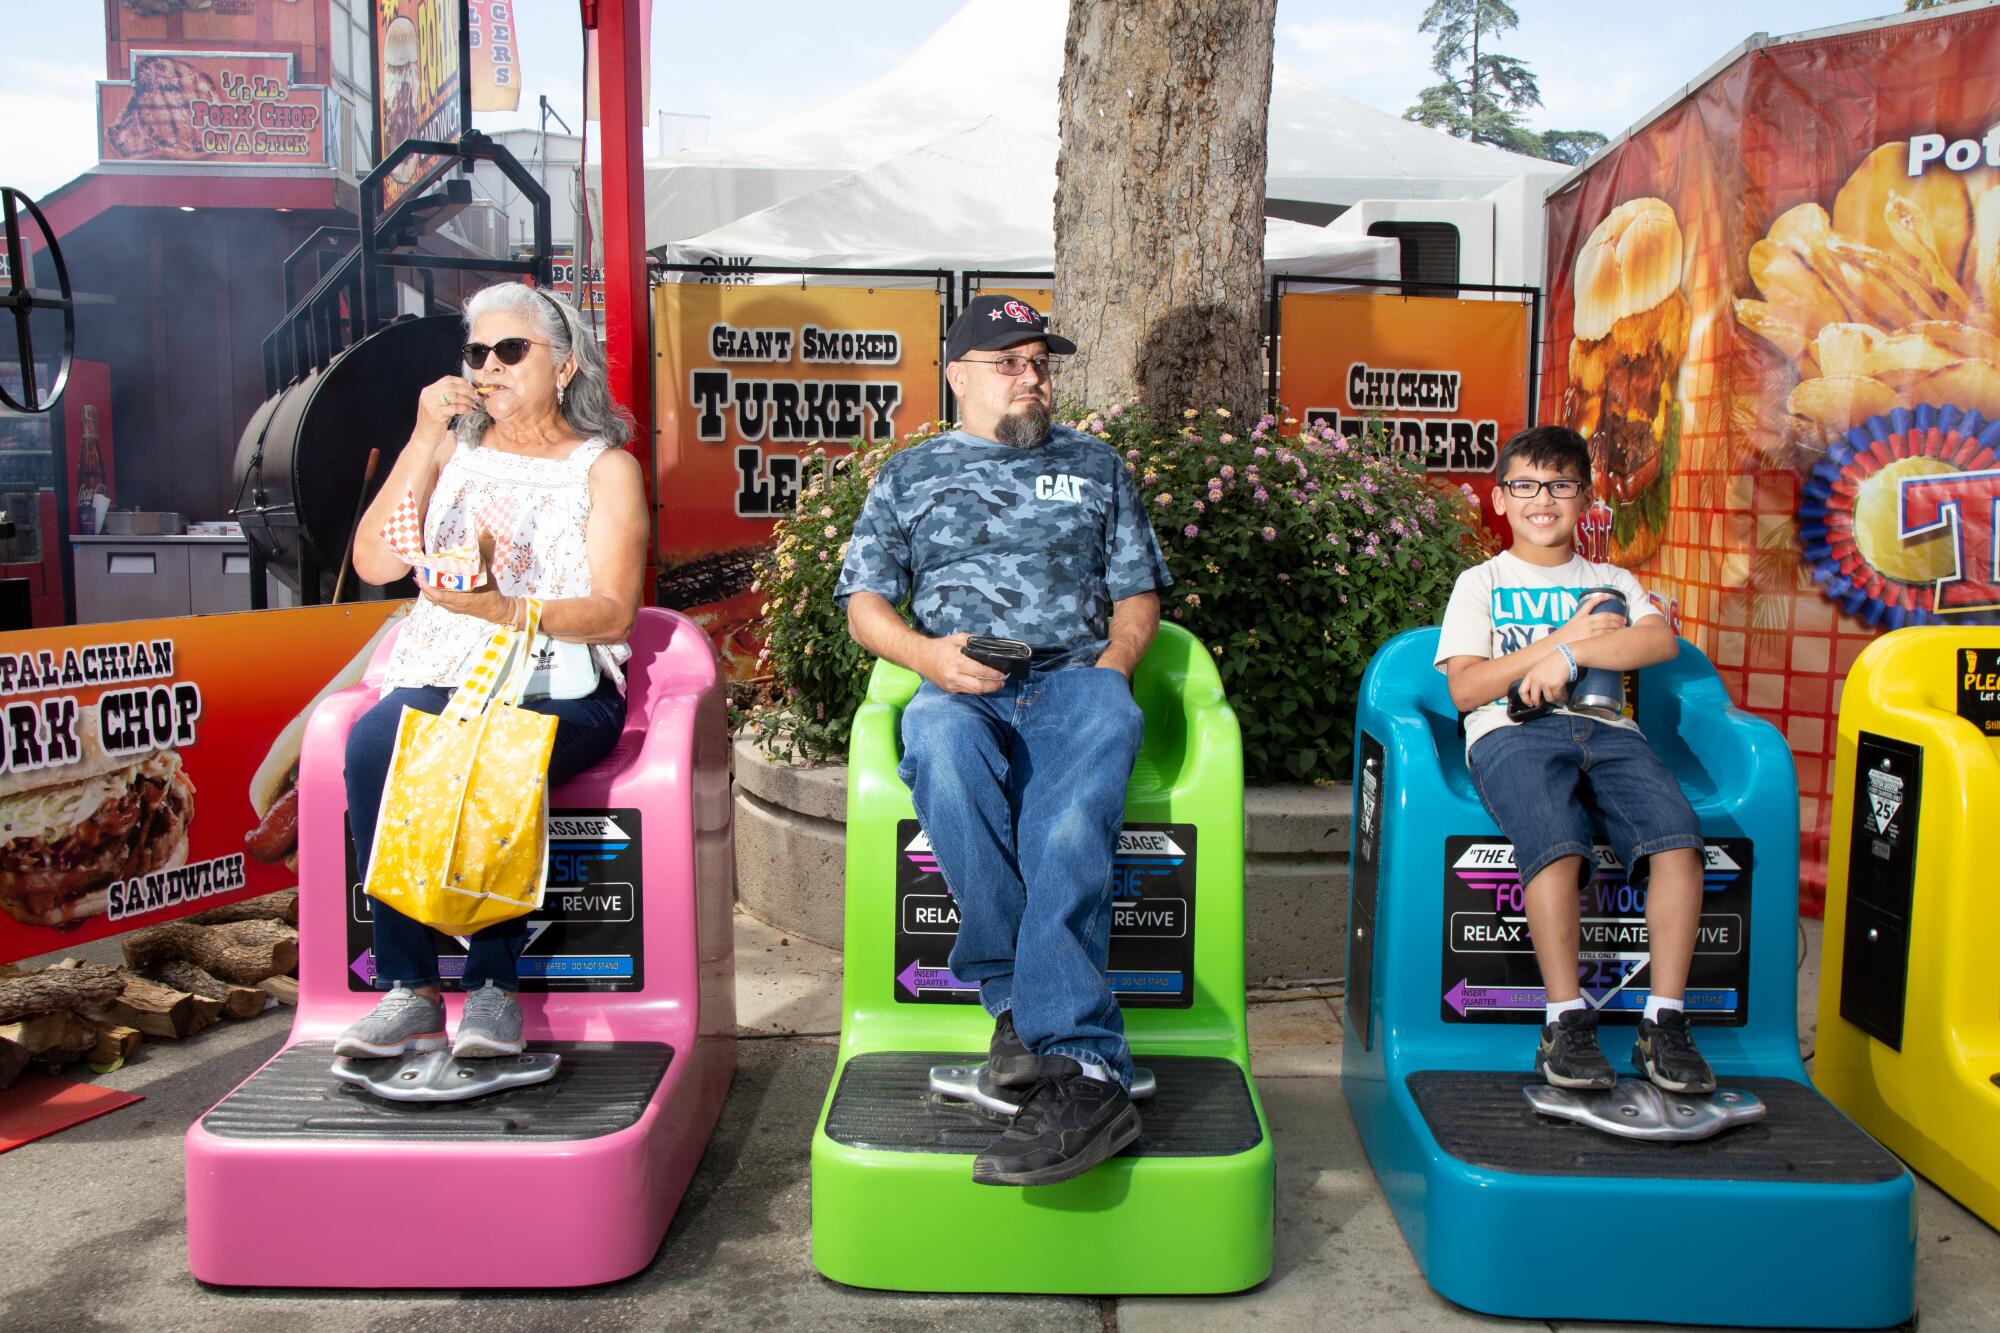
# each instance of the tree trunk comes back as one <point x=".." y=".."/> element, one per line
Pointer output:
<point x="1159" y="273"/>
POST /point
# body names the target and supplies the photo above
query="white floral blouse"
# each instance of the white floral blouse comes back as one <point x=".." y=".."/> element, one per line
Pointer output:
<point x="550" y="498"/>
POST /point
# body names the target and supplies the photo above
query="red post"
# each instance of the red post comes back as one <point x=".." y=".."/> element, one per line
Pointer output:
<point x="628" y="319"/>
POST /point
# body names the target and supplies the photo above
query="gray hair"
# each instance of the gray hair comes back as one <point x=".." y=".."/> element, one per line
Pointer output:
<point x="587" y="404"/>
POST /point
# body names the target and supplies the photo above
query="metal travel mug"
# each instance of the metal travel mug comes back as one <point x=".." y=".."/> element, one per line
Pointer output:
<point x="1600" y="689"/>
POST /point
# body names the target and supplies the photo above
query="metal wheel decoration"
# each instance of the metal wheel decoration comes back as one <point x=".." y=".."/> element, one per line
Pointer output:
<point x="21" y="299"/>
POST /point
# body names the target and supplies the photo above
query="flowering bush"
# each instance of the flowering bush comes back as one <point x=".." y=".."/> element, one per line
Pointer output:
<point x="820" y="674"/>
<point x="1295" y="554"/>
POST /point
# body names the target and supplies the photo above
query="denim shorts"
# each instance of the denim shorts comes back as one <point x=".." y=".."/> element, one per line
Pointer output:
<point x="1543" y="781"/>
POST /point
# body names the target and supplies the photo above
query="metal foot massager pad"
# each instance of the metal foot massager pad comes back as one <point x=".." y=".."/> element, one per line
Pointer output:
<point x="435" y="1076"/>
<point x="972" y="1083"/>
<point x="1635" y="1109"/>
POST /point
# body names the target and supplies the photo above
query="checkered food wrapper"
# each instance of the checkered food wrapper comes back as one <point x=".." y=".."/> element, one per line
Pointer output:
<point x="457" y="568"/>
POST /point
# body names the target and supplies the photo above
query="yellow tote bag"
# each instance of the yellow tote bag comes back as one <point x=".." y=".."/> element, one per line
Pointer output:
<point x="462" y="842"/>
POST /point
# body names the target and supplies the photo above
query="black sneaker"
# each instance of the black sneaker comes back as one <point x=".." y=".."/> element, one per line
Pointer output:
<point x="1009" y="1063"/>
<point x="1665" y="1054"/>
<point x="1568" y="1056"/>
<point x="1068" y="1123"/>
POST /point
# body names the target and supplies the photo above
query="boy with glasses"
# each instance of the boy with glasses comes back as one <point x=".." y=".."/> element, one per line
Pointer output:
<point x="1012" y="528"/>
<point x="1530" y="615"/>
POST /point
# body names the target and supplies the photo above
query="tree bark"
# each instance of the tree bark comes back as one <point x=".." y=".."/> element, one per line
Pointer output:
<point x="280" y="906"/>
<point x="1159" y="271"/>
<point x="88" y="986"/>
<point x="237" y="1001"/>
<point x="244" y="952"/>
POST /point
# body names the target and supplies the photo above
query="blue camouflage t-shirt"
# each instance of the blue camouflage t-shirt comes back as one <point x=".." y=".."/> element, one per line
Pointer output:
<point x="987" y="538"/>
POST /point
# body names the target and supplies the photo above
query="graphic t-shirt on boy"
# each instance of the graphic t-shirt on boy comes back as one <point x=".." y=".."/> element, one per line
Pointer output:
<point x="1032" y="544"/>
<point x="1506" y="604"/>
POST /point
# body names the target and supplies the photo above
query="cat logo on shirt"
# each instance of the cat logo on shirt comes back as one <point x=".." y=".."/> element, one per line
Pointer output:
<point x="1062" y="486"/>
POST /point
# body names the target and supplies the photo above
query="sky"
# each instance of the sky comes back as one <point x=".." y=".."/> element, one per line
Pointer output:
<point x="1602" y="63"/>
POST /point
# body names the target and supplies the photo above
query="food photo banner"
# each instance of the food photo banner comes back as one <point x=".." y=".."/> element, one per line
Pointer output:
<point x="148" y="768"/>
<point x="750" y="380"/>
<point x="421" y="86"/>
<point x="1445" y="378"/>
<point x="1775" y="316"/>
<point x="238" y="109"/>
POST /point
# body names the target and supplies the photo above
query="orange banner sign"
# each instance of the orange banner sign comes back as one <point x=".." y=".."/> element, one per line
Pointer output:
<point x="751" y="379"/>
<point x="1446" y="378"/>
<point x="231" y="110"/>
<point x="148" y="767"/>
<point x="496" y="58"/>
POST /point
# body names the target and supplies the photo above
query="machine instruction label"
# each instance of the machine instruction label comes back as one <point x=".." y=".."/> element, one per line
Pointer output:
<point x="1490" y="974"/>
<point x="1152" y="920"/>
<point x="589" y="933"/>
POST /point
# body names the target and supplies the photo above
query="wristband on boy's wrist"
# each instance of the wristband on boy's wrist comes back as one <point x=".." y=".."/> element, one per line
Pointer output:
<point x="1570" y="658"/>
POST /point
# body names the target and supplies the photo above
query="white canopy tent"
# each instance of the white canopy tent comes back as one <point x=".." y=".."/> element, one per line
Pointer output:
<point x="980" y="198"/>
<point x="980" y="96"/>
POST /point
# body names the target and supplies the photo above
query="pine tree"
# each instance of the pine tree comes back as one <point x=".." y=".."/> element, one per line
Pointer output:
<point x="1485" y="104"/>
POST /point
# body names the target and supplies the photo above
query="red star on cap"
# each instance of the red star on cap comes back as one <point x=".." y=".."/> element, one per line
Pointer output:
<point x="993" y="314"/>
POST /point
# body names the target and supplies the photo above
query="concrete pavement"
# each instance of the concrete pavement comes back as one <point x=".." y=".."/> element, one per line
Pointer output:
<point x="93" y="1216"/>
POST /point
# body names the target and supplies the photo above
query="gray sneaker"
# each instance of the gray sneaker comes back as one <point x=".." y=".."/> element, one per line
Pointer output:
<point x="491" y="1025"/>
<point x="404" y="1021"/>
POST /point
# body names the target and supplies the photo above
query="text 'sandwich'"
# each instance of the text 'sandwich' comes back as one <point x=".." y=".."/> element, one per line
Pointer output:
<point x="67" y="834"/>
<point x="1631" y="330"/>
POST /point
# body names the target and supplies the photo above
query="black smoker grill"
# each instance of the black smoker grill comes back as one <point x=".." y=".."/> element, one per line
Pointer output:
<point x="299" y="464"/>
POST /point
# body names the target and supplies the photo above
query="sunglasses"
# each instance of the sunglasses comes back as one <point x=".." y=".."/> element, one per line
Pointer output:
<point x="509" y="350"/>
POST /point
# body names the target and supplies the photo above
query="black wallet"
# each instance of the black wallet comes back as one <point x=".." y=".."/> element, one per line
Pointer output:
<point x="1000" y="654"/>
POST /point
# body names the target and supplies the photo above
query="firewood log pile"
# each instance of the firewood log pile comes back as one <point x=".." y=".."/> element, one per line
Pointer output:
<point x="178" y="978"/>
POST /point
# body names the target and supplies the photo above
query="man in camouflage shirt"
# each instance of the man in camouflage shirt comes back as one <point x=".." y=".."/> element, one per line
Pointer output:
<point x="1013" y="528"/>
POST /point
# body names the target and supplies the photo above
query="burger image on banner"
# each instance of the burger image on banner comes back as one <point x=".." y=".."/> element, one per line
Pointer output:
<point x="400" y="92"/>
<point x="71" y="832"/>
<point x="1630" y="328"/>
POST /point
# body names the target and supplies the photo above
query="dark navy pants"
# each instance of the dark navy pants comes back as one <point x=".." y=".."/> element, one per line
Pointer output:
<point x="406" y="950"/>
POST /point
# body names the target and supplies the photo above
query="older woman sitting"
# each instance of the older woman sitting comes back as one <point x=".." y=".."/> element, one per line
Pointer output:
<point x="535" y="428"/>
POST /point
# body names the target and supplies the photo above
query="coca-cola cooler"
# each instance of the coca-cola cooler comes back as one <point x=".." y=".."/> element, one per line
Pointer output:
<point x="40" y="458"/>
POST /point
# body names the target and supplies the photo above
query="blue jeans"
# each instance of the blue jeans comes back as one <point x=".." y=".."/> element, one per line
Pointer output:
<point x="1542" y="780"/>
<point x="1022" y="793"/>
<point x="406" y="950"/>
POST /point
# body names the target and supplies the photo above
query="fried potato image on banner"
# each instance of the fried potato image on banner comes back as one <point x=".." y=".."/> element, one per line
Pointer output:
<point x="1982" y="259"/>
<point x="1973" y="383"/>
<point x="1905" y="353"/>
<point x="1781" y="273"/>
<point x="1962" y="339"/>
<point x="1835" y="404"/>
<point x="1840" y="349"/>
<point x="1860" y="210"/>
<point x="1773" y="326"/>
<point x="1912" y="230"/>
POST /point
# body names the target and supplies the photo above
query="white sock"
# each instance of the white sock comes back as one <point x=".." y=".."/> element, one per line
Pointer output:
<point x="1659" y="1004"/>
<point x="1557" y="1008"/>
<point x="1098" y="1072"/>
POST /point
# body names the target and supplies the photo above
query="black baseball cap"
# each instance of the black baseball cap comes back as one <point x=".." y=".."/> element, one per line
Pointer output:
<point x="993" y="322"/>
